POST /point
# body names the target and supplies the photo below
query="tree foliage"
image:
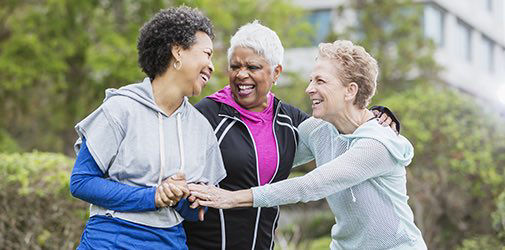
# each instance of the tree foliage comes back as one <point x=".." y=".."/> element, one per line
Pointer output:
<point x="457" y="177"/>
<point x="58" y="56"/>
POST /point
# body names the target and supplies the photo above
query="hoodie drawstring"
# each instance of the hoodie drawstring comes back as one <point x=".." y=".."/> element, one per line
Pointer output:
<point x="162" y="144"/>
<point x="181" y="144"/>
<point x="162" y="147"/>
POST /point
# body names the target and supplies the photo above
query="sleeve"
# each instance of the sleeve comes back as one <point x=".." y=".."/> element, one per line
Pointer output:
<point x="304" y="151"/>
<point x="87" y="183"/>
<point x="214" y="166"/>
<point x="103" y="135"/>
<point x="187" y="212"/>
<point x="367" y="158"/>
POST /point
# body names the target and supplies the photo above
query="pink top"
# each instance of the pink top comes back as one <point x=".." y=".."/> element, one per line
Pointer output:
<point x="261" y="126"/>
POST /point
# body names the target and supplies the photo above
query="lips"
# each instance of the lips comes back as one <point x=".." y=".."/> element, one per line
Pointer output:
<point x="245" y="89"/>
<point x="205" y="76"/>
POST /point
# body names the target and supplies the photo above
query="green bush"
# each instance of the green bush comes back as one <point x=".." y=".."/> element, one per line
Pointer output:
<point x="38" y="211"/>
<point x="7" y="143"/>
<point x="457" y="173"/>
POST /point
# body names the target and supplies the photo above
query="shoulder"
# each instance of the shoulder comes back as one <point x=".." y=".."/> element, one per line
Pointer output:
<point x="207" y="105"/>
<point x="118" y="105"/>
<point x="209" y="109"/>
<point x="297" y="116"/>
<point x="198" y="120"/>
<point x="312" y="125"/>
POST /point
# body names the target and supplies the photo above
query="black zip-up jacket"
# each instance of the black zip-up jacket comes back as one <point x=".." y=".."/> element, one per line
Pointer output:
<point x="244" y="228"/>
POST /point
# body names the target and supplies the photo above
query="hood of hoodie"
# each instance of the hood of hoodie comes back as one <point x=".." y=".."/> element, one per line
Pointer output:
<point x="398" y="146"/>
<point x="143" y="93"/>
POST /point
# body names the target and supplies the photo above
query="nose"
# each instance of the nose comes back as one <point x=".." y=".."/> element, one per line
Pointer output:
<point x="241" y="74"/>
<point x="310" y="89"/>
<point x="211" y="66"/>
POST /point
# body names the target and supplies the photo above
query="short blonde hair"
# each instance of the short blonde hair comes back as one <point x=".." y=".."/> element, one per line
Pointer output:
<point x="354" y="65"/>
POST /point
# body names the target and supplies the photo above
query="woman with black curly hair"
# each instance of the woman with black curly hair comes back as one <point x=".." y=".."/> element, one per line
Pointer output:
<point x="145" y="132"/>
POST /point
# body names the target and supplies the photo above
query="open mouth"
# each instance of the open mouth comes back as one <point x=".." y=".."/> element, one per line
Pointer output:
<point x="245" y="90"/>
<point x="316" y="102"/>
<point x="205" y="77"/>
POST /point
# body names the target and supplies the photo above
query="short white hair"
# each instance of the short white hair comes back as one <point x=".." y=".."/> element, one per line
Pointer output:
<point x="261" y="39"/>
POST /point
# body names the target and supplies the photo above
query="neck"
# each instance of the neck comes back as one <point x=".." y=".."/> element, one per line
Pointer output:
<point x="167" y="92"/>
<point x="349" y="120"/>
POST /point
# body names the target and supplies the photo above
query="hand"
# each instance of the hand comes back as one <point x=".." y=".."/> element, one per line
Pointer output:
<point x="385" y="120"/>
<point x="171" y="190"/>
<point x="210" y="196"/>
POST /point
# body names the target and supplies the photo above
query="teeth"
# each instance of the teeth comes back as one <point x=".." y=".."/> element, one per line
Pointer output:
<point x="316" y="101"/>
<point x="245" y="87"/>
<point x="205" y="77"/>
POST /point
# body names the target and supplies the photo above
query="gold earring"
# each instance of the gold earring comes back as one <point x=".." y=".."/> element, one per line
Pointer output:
<point x="177" y="65"/>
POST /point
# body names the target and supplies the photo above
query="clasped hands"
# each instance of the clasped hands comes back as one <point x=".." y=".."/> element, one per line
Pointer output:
<point x="172" y="189"/>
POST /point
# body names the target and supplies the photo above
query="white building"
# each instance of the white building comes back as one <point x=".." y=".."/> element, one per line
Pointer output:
<point x="469" y="34"/>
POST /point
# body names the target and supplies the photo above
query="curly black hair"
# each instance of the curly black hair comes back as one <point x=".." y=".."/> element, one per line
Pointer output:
<point x="169" y="27"/>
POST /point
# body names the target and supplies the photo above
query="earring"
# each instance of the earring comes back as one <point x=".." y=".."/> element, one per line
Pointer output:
<point x="177" y="65"/>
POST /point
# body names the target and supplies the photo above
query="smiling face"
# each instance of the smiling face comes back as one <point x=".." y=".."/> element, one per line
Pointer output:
<point x="326" y="91"/>
<point x="197" y="65"/>
<point x="251" y="78"/>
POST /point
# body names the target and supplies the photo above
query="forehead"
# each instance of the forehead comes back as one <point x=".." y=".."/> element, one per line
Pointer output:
<point x="244" y="54"/>
<point x="203" y="40"/>
<point x="324" y="67"/>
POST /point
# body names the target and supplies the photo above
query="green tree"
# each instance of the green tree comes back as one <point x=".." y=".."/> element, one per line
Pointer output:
<point x="391" y="32"/>
<point x="58" y="56"/>
<point x="457" y="177"/>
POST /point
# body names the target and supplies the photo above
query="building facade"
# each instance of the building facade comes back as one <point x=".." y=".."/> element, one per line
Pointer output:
<point x="469" y="34"/>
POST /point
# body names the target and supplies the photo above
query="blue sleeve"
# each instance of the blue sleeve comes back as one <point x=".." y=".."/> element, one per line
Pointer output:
<point x="88" y="183"/>
<point x="186" y="212"/>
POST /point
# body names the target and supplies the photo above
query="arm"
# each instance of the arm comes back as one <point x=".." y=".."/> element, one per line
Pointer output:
<point x="368" y="158"/>
<point x="87" y="183"/>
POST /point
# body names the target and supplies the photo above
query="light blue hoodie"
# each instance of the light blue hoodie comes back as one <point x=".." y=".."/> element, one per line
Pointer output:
<point x="134" y="142"/>
<point x="362" y="176"/>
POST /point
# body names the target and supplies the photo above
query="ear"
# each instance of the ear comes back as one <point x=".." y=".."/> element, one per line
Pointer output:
<point x="351" y="91"/>
<point x="176" y="52"/>
<point x="277" y="72"/>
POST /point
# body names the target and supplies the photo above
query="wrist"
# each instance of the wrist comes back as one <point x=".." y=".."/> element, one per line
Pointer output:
<point x="242" y="198"/>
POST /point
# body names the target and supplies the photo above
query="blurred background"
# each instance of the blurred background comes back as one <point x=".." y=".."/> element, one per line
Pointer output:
<point x="442" y="72"/>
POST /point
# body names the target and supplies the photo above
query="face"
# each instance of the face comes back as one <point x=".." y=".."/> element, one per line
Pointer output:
<point x="326" y="91"/>
<point x="251" y="78"/>
<point x="197" y="65"/>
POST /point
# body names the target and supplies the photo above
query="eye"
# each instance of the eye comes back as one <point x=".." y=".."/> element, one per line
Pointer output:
<point x="253" y="67"/>
<point x="234" y="67"/>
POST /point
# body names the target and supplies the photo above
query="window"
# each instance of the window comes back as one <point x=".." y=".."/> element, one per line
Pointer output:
<point x="465" y="38"/>
<point x="489" y="5"/>
<point x="433" y="22"/>
<point x="487" y="55"/>
<point x="321" y="21"/>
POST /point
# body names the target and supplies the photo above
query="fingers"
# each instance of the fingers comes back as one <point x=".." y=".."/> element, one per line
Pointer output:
<point x="166" y="195"/>
<point x="377" y="113"/>
<point x="393" y="126"/>
<point x="383" y="118"/>
<point x="191" y="198"/>
<point x="387" y="122"/>
<point x="201" y="196"/>
<point x="201" y="213"/>
<point x="178" y="176"/>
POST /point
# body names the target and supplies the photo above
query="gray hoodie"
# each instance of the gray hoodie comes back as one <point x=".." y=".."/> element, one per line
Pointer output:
<point x="134" y="142"/>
